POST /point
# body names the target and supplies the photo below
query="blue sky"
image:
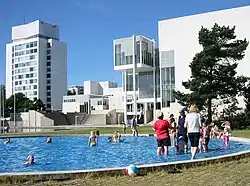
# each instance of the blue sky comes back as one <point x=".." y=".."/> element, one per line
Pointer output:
<point x="90" y="26"/>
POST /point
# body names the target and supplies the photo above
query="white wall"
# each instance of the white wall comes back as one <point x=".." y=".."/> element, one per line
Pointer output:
<point x="116" y="101"/>
<point x="94" y="103"/>
<point x="181" y="35"/>
<point x="35" y="119"/>
<point x="34" y="28"/>
<point x="106" y="85"/>
<point x="8" y="70"/>
<point x="72" y="103"/>
<point x="92" y="87"/>
<point x="58" y="74"/>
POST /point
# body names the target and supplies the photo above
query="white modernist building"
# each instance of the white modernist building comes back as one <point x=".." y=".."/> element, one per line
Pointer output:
<point x="36" y="63"/>
<point x="178" y="44"/>
<point x="98" y="96"/>
<point x="135" y="58"/>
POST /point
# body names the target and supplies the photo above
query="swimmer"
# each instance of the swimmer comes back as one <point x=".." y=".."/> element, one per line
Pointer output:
<point x="97" y="133"/>
<point x="109" y="139"/>
<point x="92" y="139"/>
<point x="116" y="137"/>
<point x="7" y="140"/>
<point x="30" y="160"/>
<point x="49" y="140"/>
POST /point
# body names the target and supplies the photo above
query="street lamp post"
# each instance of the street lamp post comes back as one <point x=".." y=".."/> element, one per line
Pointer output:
<point x="76" y="117"/>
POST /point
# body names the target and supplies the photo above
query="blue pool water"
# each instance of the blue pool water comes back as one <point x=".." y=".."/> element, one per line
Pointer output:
<point x="73" y="153"/>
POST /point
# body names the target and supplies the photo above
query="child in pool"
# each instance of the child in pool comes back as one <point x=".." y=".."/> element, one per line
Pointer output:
<point x="180" y="147"/>
<point x="201" y="141"/>
<point x="30" y="160"/>
<point x="205" y="137"/>
<point x="97" y="133"/>
<point x="7" y="140"/>
<point x="215" y="131"/>
<point x="226" y="132"/>
<point x="116" y="137"/>
<point x="49" y="140"/>
<point x="92" y="139"/>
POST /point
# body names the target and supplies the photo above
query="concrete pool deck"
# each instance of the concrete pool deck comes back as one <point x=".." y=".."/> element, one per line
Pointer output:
<point x="63" y="175"/>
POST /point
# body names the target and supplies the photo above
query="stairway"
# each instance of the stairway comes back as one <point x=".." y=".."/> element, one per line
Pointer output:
<point x="96" y="120"/>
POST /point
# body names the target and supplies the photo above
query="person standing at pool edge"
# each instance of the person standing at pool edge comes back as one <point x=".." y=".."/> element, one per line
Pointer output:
<point x="134" y="126"/>
<point x="161" y="127"/>
<point x="193" y="124"/>
<point x="182" y="131"/>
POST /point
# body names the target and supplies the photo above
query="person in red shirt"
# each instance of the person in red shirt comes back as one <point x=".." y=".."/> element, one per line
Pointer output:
<point x="161" y="127"/>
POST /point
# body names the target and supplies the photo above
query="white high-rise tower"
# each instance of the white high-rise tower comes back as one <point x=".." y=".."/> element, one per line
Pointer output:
<point x="36" y="63"/>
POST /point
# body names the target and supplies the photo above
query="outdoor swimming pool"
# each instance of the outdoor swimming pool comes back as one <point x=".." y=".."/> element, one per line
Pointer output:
<point x="73" y="153"/>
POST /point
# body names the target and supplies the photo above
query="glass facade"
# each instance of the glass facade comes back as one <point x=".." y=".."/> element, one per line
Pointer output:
<point x="168" y="85"/>
<point x="129" y="82"/>
<point x="167" y="77"/>
<point x="24" y="69"/>
<point x="146" y="85"/>
<point x="147" y="55"/>
<point x="157" y="74"/>
<point x="121" y="58"/>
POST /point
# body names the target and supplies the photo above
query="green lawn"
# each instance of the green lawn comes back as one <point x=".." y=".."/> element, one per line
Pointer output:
<point x="110" y="130"/>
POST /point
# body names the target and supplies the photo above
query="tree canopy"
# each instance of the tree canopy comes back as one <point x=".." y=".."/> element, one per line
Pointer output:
<point x="22" y="104"/>
<point x="213" y="70"/>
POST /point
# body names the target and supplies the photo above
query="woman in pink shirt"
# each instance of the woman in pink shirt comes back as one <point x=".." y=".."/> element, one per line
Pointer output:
<point x="161" y="127"/>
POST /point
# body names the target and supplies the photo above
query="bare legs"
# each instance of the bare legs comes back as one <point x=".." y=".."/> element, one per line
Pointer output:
<point x="162" y="150"/>
<point x="193" y="152"/>
<point x="135" y="132"/>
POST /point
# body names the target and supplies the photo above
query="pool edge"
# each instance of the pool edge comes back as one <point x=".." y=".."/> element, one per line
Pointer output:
<point x="64" y="175"/>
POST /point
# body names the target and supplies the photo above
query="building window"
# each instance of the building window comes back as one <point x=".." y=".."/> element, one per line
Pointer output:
<point x="48" y="75"/>
<point x="48" y="64"/>
<point x="48" y="45"/>
<point x="48" y="81"/>
<point x="48" y="70"/>
<point x="48" y="94"/>
<point x="35" y="50"/>
<point x="48" y="52"/>
<point x="99" y="102"/>
<point x="35" y="43"/>
<point x="168" y="86"/>
<point x="48" y="87"/>
<point x="104" y="102"/>
<point x="49" y="100"/>
<point x="35" y="87"/>
<point x="48" y="106"/>
<point x="48" y="57"/>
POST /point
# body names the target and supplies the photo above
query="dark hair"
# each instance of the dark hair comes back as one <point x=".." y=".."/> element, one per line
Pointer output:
<point x="160" y="117"/>
<point x="97" y="132"/>
<point x="171" y="115"/>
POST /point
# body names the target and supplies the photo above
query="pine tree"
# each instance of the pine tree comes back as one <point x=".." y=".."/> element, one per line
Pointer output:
<point x="213" y="70"/>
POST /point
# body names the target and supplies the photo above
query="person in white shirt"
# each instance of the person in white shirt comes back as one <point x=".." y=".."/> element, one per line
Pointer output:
<point x="193" y="124"/>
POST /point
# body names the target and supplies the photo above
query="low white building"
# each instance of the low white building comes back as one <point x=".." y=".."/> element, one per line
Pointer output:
<point x="97" y="96"/>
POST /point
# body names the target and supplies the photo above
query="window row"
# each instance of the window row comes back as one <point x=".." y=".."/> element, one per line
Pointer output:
<point x="25" y="82"/>
<point x="25" y="64"/>
<point x="25" y="58"/>
<point x="31" y="87"/>
<point x="69" y="100"/>
<point x="24" y="70"/>
<point x="24" y="46"/>
<point x="101" y="103"/>
<point x="26" y="52"/>
<point x="23" y="76"/>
